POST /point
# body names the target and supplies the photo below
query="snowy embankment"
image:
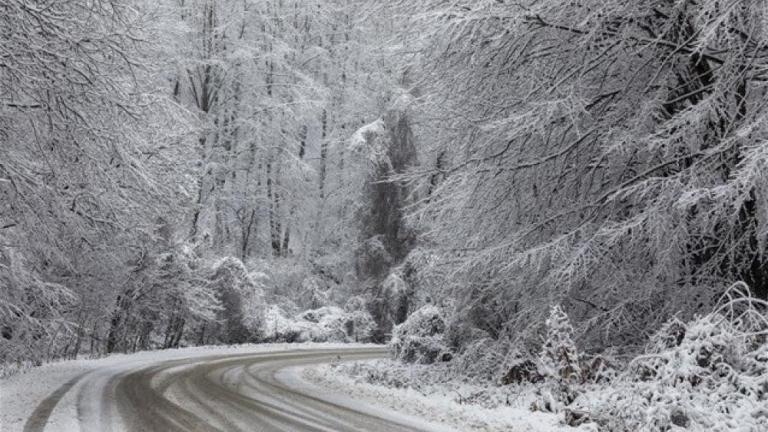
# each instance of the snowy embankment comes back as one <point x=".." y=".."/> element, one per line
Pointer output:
<point x="47" y="388"/>
<point x="707" y="374"/>
<point x="449" y="403"/>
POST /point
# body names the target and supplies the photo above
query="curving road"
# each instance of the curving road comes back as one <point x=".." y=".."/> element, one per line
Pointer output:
<point x="216" y="393"/>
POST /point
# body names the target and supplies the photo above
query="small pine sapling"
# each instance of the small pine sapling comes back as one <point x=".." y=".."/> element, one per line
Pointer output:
<point x="558" y="363"/>
<point x="559" y="357"/>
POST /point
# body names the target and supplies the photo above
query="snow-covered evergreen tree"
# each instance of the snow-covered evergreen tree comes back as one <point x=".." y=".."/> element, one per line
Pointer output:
<point x="559" y="358"/>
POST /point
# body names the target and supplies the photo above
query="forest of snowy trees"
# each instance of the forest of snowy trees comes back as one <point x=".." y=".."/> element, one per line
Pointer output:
<point x="188" y="172"/>
<point x="608" y="156"/>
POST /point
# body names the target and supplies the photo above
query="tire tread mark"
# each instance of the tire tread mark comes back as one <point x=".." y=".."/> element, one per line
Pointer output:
<point x="39" y="417"/>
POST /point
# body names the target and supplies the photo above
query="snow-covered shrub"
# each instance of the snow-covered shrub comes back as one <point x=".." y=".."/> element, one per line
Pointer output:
<point x="520" y="369"/>
<point x="559" y="358"/>
<point x="279" y="327"/>
<point x="601" y="368"/>
<point x="359" y="326"/>
<point x="392" y="303"/>
<point x="420" y="338"/>
<point x="440" y="380"/>
<point x="386" y="373"/>
<point x="395" y="288"/>
<point x="558" y="363"/>
<point x="325" y="324"/>
<point x="333" y="324"/>
<point x="422" y="350"/>
<point x="709" y="374"/>
<point x="480" y="360"/>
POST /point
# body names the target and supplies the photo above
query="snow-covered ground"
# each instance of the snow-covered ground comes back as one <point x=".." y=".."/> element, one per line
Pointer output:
<point x="25" y="392"/>
<point x="79" y="395"/>
<point x="437" y="404"/>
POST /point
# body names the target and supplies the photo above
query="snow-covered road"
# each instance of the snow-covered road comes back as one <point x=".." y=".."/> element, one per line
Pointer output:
<point x="206" y="392"/>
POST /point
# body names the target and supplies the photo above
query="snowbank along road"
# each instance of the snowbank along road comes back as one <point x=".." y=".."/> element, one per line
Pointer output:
<point x="215" y="393"/>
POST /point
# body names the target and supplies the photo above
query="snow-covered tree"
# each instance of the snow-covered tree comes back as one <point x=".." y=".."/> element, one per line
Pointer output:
<point x="87" y="143"/>
<point x="559" y="358"/>
<point x="608" y="155"/>
<point x="239" y="295"/>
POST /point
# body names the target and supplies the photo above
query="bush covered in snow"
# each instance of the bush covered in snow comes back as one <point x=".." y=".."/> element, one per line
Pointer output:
<point x="420" y="338"/>
<point x="359" y="326"/>
<point x="325" y="324"/>
<point x="279" y="326"/>
<point x="392" y="302"/>
<point x="520" y="369"/>
<point x="559" y="357"/>
<point x="558" y="363"/>
<point x="709" y="374"/>
<point x="479" y="361"/>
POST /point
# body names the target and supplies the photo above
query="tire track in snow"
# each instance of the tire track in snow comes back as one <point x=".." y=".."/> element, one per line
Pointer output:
<point x="39" y="417"/>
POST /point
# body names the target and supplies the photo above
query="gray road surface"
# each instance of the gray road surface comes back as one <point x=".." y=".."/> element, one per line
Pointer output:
<point x="219" y="393"/>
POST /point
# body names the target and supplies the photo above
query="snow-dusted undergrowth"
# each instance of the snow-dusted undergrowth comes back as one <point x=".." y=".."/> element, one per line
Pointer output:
<point x="325" y="324"/>
<point x="707" y="374"/>
<point x="428" y="392"/>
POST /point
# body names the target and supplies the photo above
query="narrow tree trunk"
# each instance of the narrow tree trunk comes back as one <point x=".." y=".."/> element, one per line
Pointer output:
<point x="323" y="153"/>
<point x="274" y="209"/>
